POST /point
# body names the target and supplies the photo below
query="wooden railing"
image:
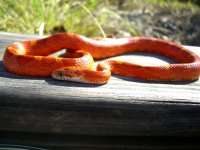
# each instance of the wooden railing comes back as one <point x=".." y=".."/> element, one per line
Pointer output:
<point x="123" y="109"/>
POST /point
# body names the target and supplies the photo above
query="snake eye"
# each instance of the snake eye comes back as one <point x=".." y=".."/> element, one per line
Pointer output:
<point x="60" y="73"/>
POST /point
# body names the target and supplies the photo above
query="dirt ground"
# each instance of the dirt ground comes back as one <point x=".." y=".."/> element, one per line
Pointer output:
<point x="180" y="26"/>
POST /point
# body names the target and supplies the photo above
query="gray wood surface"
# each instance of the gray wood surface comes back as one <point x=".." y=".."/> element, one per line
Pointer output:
<point x="123" y="107"/>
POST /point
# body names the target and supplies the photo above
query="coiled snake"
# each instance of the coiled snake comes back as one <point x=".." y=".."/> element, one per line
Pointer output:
<point x="30" y="58"/>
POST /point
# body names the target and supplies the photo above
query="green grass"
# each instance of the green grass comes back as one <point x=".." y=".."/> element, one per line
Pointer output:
<point x="87" y="17"/>
<point x="26" y="16"/>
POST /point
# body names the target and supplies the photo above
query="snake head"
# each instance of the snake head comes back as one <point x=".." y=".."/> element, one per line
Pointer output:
<point x="78" y="74"/>
<point x="69" y="74"/>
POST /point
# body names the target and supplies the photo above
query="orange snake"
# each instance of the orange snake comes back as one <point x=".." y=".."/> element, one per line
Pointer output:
<point x="30" y="58"/>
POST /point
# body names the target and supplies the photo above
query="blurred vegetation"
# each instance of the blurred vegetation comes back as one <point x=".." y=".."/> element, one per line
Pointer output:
<point x="28" y="16"/>
<point x="86" y="17"/>
<point x="177" y="4"/>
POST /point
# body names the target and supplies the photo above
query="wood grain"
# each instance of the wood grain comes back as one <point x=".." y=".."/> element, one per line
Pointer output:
<point x="123" y="107"/>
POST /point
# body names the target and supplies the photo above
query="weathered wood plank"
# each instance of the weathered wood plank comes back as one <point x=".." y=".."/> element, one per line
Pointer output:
<point x="124" y="106"/>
